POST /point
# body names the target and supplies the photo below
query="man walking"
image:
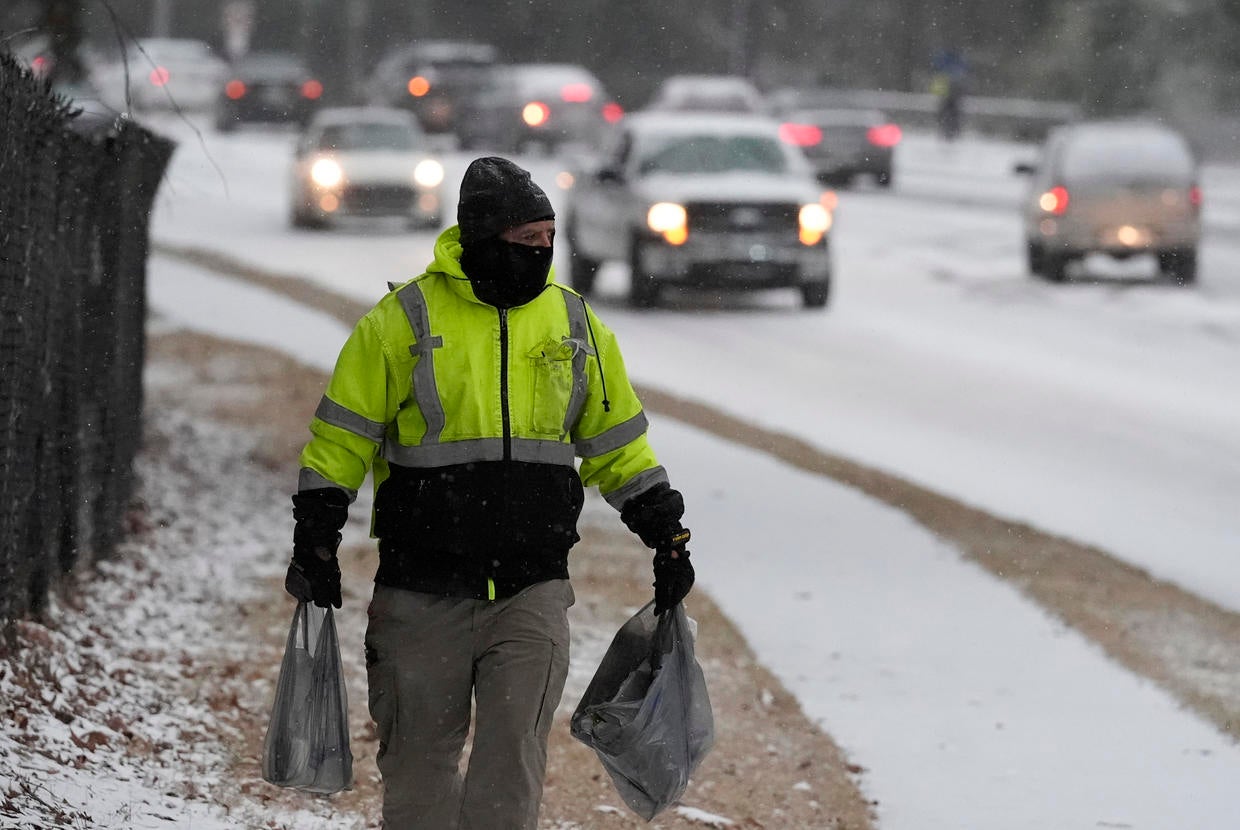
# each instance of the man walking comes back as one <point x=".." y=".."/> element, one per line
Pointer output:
<point x="470" y="391"/>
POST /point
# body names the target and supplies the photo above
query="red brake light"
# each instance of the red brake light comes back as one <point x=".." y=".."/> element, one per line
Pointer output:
<point x="1194" y="197"/>
<point x="800" y="135"/>
<point x="885" y="135"/>
<point x="535" y="113"/>
<point x="612" y="112"/>
<point x="1054" y="201"/>
<point x="311" y="90"/>
<point x="234" y="89"/>
<point x="159" y="76"/>
<point x="576" y="93"/>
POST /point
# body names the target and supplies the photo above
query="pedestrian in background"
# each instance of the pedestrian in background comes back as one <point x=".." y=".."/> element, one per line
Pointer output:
<point x="949" y="85"/>
<point x="469" y="392"/>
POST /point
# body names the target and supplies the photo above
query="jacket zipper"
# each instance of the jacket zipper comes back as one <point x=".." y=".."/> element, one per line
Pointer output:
<point x="503" y="382"/>
<point x="503" y="400"/>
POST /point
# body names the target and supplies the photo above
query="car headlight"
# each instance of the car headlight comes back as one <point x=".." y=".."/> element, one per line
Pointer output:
<point x="535" y="113"/>
<point x="428" y="173"/>
<point x="326" y="173"/>
<point x="814" y="220"/>
<point x="670" y="220"/>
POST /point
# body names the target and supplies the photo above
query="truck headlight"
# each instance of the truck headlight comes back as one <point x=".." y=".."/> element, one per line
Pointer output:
<point x="814" y="220"/>
<point x="326" y="173"/>
<point x="670" y="220"/>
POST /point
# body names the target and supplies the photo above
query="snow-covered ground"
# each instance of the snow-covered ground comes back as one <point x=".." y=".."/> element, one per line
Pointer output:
<point x="1102" y="411"/>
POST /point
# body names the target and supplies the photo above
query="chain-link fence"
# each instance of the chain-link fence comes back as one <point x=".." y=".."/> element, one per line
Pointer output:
<point x="74" y="210"/>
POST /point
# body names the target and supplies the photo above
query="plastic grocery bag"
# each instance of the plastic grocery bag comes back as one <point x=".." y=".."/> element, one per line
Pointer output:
<point x="307" y="744"/>
<point x="646" y="713"/>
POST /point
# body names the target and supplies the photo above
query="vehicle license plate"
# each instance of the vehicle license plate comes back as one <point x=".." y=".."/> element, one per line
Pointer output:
<point x="275" y="95"/>
<point x="1126" y="236"/>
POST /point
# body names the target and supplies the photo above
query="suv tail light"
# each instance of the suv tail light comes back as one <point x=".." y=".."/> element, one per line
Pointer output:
<point x="159" y="76"/>
<point x="884" y="135"/>
<point x="800" y="135"/>
<point x="311" y="90"/>
<point x="1054" y="201"/>
<point x="612" y="112"/>
<point x="1194" y="197"/>
<point x="235" y="90"/>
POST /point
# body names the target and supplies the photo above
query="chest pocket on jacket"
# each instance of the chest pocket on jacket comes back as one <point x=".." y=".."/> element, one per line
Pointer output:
<point x="551" y="373"/>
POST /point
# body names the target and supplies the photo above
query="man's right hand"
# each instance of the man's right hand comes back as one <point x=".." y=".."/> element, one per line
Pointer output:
<point x="314" y="573"/>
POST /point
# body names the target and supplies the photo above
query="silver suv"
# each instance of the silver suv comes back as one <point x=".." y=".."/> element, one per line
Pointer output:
<point x="1114" y="187"/>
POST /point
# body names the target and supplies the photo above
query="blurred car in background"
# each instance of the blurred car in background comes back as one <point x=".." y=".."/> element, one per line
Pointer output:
<point x="162" y="73"/>
<point x="267" y="87"/>
<point x="365" y="162"/>
<point x="1120" y="188"/>
<point x="33" y="50"/>
<point x="540" y="106"/>
<point x="844" y="143"/>
<point x="434" y="79"/>
<point x="701" y="200"/>
<point x="708" y="93"/>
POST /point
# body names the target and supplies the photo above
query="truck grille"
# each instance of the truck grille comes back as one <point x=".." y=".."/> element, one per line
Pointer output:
<point x="742" y="216"/>
<point x="378" y="199"/>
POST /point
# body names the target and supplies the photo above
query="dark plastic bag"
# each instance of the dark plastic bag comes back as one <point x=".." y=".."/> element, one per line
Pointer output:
<point x="646" y="713"/>
<point x="307" y="744"/>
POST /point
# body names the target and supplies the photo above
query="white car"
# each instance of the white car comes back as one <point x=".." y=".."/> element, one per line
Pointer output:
<point x="708" y="93"/>
<point x="162" y="74"/>
<point x="365" y="162"/>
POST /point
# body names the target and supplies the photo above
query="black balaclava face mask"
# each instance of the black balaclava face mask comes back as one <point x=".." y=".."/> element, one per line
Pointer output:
<point x="505" y="274"/>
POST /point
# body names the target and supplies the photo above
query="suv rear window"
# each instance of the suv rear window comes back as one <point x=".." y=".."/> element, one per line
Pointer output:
<point x="1139" y="154"/>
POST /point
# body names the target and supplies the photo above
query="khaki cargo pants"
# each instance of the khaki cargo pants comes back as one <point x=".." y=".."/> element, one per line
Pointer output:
<point x="426" y="656"/>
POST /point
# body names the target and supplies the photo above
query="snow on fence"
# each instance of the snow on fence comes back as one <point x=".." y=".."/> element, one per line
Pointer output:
<point x="75" y="202"/>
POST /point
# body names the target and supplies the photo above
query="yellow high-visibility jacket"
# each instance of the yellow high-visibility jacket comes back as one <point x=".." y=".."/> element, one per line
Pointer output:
<point x="473" y="419"/>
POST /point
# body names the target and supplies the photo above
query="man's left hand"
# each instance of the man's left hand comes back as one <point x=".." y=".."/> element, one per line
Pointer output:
<point x="673" y="577"/>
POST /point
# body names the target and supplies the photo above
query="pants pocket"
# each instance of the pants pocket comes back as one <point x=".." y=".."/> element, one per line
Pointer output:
<point x="553" y="688"/>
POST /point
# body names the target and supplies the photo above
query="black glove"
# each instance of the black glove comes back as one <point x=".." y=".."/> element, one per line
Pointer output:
<point x="313" y="579"/>
<point x="673" y="577"/>
<point x="314" y="573"/>
<point x="654" y="515"/>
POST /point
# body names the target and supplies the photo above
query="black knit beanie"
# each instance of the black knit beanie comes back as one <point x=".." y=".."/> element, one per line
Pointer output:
<point x="496" y="195"/>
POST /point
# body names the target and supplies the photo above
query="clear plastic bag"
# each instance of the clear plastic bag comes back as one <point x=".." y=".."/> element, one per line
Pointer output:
<point x="307" y="744"/>
<point x="646" y="712"/>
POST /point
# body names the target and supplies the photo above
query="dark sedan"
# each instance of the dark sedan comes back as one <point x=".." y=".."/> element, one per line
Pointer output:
<point x="267" y="88"/>
<point x="843" y="143"/>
